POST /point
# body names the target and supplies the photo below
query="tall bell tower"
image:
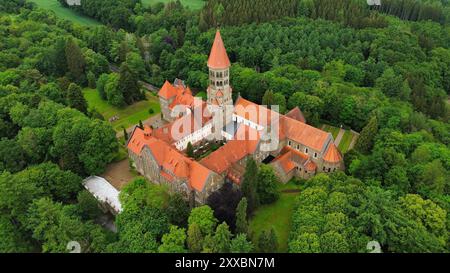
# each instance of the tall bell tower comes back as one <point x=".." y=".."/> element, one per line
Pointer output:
<point x="219" y="89"/>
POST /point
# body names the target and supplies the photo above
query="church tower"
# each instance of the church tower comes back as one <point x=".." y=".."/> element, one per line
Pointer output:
<point x="219" y="89"/>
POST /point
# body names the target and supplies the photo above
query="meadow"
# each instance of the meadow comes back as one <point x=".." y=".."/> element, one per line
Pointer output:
<point x="66" y="13"/>
<point x="129" y="115"/>
<point x="277" y="215"/>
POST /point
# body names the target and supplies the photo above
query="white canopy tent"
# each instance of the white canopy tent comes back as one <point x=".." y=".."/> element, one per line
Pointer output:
<point x="103" y="191"/>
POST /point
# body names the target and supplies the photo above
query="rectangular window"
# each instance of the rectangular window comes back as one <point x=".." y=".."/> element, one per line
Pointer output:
<point x="315" y="155"/>
<point x="289" y="143"/>
<point x="306" y="150"/>
<point x="298" y="147"/>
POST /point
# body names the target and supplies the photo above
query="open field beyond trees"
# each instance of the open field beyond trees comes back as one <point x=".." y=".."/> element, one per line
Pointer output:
<point x="193" y="4"/>
<point x="66" y="13"/>
<point x="129" y="115"/>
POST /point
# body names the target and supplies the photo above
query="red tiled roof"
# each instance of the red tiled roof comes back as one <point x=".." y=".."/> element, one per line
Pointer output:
<point x="218" y="58"/>
<point x="167" y="91"/>
<point x="233" y="151"/>
<point x="303" y="133"/>
<point x="289" y="158"/>
<point x="288" y="127"/>
<point x="332" y="154"/>
<point x="255" y="113"/>
<point x="166" y="175"/>
<point x="174" y="164"/>
<point x="310" y="166"/>
<point x="296" y="114"/>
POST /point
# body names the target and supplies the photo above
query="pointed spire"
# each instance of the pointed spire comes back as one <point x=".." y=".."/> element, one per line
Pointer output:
<point x="218" y="58"/>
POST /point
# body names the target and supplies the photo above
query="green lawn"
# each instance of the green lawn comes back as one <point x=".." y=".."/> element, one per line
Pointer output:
<point x="66" y="13"/>
<point x="333" y="130"/>
<point x="277" y="215"/>
<point x="128" y="116"/>
<point x="345" y="141"/>
<point x="194" y="4"/>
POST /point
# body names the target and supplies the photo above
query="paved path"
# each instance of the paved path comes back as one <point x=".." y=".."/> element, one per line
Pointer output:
<point x="339" y="137"/>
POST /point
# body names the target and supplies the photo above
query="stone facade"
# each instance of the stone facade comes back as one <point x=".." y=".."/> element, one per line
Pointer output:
<point x="300" y="151"/>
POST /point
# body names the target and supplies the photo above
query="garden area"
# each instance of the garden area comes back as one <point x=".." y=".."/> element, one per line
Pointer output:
<point x="344" y="139"/>
<point x="66" y="13"/>
<point x="127" y="116"/>
<point x="277" y="215"/>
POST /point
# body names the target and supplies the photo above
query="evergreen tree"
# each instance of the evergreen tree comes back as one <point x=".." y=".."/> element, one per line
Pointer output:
<point x="194" y="238"/>
<point x="268" y="98"/>
<point x="129" y="85"/>
<point x="209" y="244"/>
<point x="125" y="134"/>
<point x="75" y="98"/>
<point x="178" y="210"/>
<point x="366" y="139"/>
<point x="174" y="241"/>
<point x="249" y="184"/>
<point x="60" y="60"/>
<point x="267" y="241"/>
<point x="240" y="244"/>
<point x="241" y="217"/>
<point x="222" y="238"/>
<point x="190" y="150"/>
<point x="75" y="61"/>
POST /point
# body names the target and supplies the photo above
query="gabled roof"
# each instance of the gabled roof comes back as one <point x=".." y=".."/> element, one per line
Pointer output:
<point x="173" y="163"/>
<point x="255" y="113"/>
<point x="303" y="133"/>
<point x="233" y="151"/>
<point x="288" y="127"/>
<point x="218" y="58"/>
<point x="332" y="154"/>
<point x="296" y="114"/>
<point x="289" y="158"/>
<point x="310" y="166"/>
<point x="167" y="91"/>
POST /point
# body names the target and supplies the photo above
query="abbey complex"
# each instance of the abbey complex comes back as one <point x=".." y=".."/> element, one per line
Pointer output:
<point x="242" y="129"/>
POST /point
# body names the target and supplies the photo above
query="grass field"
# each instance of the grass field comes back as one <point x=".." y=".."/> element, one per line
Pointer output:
<point x="333" y="130"/>
<point x="345" y="141"/>
<point x="193" y="4"/>
<point x="128" y="116"/>
<point x="277" y="215"/>
<point x="65" y="13"/>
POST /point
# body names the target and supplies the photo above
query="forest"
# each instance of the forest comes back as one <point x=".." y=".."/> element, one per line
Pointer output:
<point x="382" y="71"/>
